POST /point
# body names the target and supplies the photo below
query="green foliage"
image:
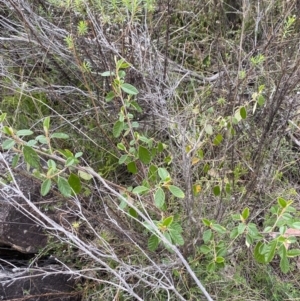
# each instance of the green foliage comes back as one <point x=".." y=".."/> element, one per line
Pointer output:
<point x="142" y="150"/>
<point x="31" y="153"/>
<point x="222" y="153"/>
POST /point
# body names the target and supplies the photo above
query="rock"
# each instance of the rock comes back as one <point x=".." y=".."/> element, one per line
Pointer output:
<point x="16" y="229"/>
<point x="19" y="232"/>
<point x="42" y="284"/>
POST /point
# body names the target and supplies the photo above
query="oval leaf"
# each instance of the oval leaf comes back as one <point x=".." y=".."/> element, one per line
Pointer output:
<point x="168" y="221"/>
<point x="176" y="237"/>
<point x="176" y="191"/>
<point x="118" y="128"/>
<point x="153" y="242"/>
<point x="243" y="112"/>
<point x="31" y="157"/>
<point x="217" y="190"/>
<point x="45" y="188"/>
<point x="8" y="143"/>
<point x="144" y="155"/>
<point x="84" y="175"/>
<point x="140" y="189"/>
<point x="60" y="135"/>
<point x="132" y="213"/>
<point x="218" y="139"/>
<point x="159" y="198"/>
<point x="131" y="167"/>
<point x="24" y="133"/>
<point x="64" y="187"/>
<point x="129" y="89"/>
<point x="245" y="213"/>
<point x="293" y="253"/>
<point x="46" y="123"/>
<point x="163" y="174"/>
<point x="74" y="182"/>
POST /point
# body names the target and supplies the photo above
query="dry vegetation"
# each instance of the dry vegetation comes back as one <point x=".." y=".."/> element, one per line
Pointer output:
<point x="217" y="107"/>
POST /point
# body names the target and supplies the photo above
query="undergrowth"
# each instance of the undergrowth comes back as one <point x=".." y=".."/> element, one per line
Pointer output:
<point x="171" y="131"/>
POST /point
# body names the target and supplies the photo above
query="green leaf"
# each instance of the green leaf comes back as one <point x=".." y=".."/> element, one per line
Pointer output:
<point x="129" y="89"/>
<point x="159" y="198"/>
<point x="176" y="191"/>
<point x="205" y="249"/>
<point x="122" y="159"/>
<point x="293" y="253"/>
<point x="41" y="139"/>
<point x="46" y="124"/>
<point x="168" y="237"/>
<point x="218" y="228"/>
<point x="219" y="259"/>
<point x="45" y="188"/>
<point x="243" y="112"/>
<point x="261" y="100"/>
<point x="217" y="190"/>
<point x="234" y="233"/>
<point x="121" y="64"/>
<point x="64" y="187"/>
<point x="284" y="264"/>
<point x="8" y="144"/>
<point x="168" y="221"/>
<point x="268" y="229"/>
<point x="121" y="146"/>
<point x="271" y="248"/>
<point x="241" y="228"/>
<point x="144" y="155"/>
<point x="15" y="160"/>
<point x="152" y="173"/>
<point x="31" y="143"/>
<point x="163" y="174"/>
<point x="24" y="133"/>
<point x="74" y="182"/>
<point x="84" y="175"/>
<point x="249" y="240"/>
<point x="211" y="267"/>
<point x="245" y="213"/>
<point x="131" y="167"/>
<point x="2" y="117"/>
<point x="282" y="202"/>
<point x="60" y="136"/>
<point x="135" y="124"/>
<point x="296" y="225"/>
<point x="110" y="96"/>
<point x="8" y="130"/>
<point x="136" y="106"/>
<point x="123" y="204"/>
<point x="218" y="139"/>
<point x="78" y="155"/>
<point x="207" y="235"/>
<point x="260" y="258"/>
<point x="51" y="164"/>
<point x="176" y="227"/>
<point x="133" y="213"/>
<point x="238" y="116"/>
<point x="206" y="222"/>
<point x="31" y="157"/>
<point x="176" y="237"/>
<point x="252" y="230"/>
<point x="70" y="161"/>
<point x="118" y="128"/>
<point x="140" y="190"/>
<point x="107" y="73"/>
<point x="153" y="242"/>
